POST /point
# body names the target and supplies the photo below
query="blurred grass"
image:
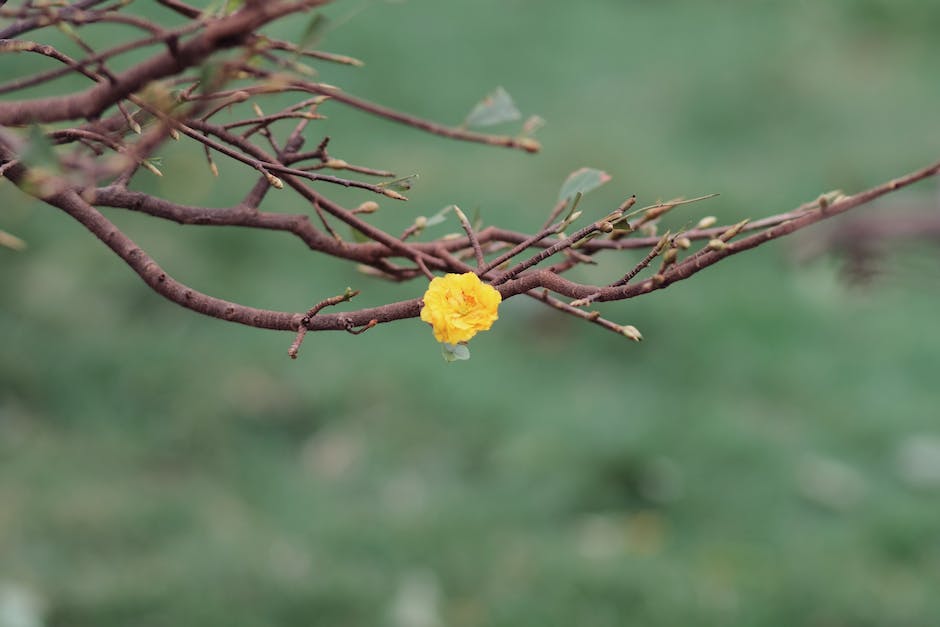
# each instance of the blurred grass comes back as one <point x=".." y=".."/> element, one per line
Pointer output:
<point x="768" y="456"/>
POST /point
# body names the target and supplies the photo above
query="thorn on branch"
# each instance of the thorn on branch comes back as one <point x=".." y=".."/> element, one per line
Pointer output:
<point x="351" y="328"/>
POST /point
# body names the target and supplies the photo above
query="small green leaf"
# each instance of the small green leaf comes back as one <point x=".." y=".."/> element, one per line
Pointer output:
<point x="583" y="181"/>
<point x="402" y="184"/>
<point x="495" y="108"/>
<point x="455" y="352"/>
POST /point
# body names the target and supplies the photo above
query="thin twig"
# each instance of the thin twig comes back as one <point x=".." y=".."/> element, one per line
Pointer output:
<point x="465" y="223"/>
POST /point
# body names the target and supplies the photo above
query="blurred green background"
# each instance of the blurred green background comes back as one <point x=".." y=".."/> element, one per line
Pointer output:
<point x="770" y="455"/>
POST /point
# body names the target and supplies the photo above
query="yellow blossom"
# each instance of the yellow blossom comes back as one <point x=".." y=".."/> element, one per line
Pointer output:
<point x="459" y="305"/>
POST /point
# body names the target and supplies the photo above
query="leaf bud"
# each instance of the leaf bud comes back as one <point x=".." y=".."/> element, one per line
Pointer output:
<point x="706" y="222"/>
<point x="369" y="206"/>
<point x="529" y="145"/>
<point x="151" y="167"/>
<point x="393" y="194"/>
<point x="275" y="182"/>
<point x="734" y="230"/>
<point x="631" y="332"/>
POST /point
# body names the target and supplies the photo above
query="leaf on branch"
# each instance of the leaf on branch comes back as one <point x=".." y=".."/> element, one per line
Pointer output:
<point x="402" y="184"/>
<point x="212" y="75"/>
<point x="531" y="125"/>
<point x="582" y="181"/>
<point x="439" y="217"/>
<point x="496" y="108"/>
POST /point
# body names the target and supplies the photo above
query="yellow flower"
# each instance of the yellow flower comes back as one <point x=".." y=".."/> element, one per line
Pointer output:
<point x="459" y="305"/>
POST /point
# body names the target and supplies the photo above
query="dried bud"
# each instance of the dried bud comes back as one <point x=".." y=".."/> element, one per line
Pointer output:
<point x="706" y="222"/>
<point x="716" y="244"/>
<point x="174" y="135"/>
<point x="654" y="212"/>
<point x="631" y="332"/>
<point x="649" y="229"/>
<point x="257" y="109"/>
<point x="670" y="256"/>
<point x="421" y="222"/>
<point x="213" y="168"/>
<point x="683" y="242"/>
<point x="606" y="227"/>
<point x="336" y="164"/>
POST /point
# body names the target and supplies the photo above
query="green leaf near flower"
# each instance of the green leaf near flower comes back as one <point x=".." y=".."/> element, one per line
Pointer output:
<point x="455" y="352"/>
